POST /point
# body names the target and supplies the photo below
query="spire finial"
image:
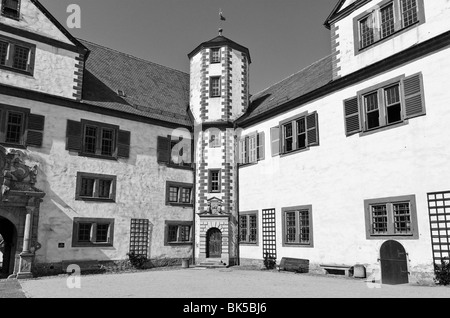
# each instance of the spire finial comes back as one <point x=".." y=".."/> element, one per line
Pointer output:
<point x="220" y="31"/>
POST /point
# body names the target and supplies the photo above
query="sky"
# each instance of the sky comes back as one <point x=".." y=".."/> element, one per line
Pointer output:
<point x="283" y="36"/>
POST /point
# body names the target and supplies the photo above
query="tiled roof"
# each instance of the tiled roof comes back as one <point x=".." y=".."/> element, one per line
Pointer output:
<point x="301" y="83"/>
<point x="151" y="90"/>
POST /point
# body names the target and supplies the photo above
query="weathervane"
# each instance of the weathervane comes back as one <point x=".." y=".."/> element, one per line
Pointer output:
<point x="222" y="18"/>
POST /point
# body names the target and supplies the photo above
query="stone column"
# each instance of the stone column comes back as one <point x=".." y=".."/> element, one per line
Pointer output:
<point x="26" y="257"/>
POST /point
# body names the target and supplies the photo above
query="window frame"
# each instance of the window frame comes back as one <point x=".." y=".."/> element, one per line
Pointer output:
<point x="178" y="224"/>
<point x="389" y="202"/>
<point x="297" y="209"/>
<point x="293" y="122"/>
<point x="100" y="127"/>
<point x="96" y="187"/>
<point x="211" y="89"/>
<point x="14" y="17"/>
<point x="94" y="224"/>
<point x="219" y="56"/>
<point x="180" y="186"/>
<point x="10" y="55"/>
<point x="248" y="215"/>
<point x="217" y="142"/>
<point x="249" y="155"/>
<point x="210" y="172"/>
<point x="375" y="14"/>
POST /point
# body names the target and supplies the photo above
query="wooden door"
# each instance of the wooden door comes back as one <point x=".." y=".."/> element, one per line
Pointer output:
<point x="214" y="243"/>
<point x="394" y="265"/>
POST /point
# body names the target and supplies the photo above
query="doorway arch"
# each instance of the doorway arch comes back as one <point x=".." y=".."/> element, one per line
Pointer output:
<point x="214" y="243"/>
<point x="394" y="264"/>
<point x="9" y="234"/>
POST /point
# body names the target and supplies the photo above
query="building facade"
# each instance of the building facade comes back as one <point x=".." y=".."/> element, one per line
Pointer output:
<point x="340" y="164"/>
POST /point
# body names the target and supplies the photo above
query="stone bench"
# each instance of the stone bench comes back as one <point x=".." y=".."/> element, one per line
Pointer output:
<point x="294" y="265"/>
<point x="333" y="269"/>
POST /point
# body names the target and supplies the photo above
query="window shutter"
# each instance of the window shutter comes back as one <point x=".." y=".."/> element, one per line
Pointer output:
<point x="275" y="141"/>
<point x="252" y="148"/>
<point x="312" y="127"/>
<point x="73" y="135"/>
<point x="261" y="146"/>
<point x="414" y="96"/>
<point x="352" y="118"/>
<point x="242" y="152"/>
<point x="123" y="144"/>
<point x="2" y="125"/>
<point x="35" y="130"/>
<point x="163" y="149"/>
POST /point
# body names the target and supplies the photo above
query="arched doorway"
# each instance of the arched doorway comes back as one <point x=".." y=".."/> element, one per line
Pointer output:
<point x="394" y="264"/>
<point x="8" y="247"/>
<point x="214" y="243"/>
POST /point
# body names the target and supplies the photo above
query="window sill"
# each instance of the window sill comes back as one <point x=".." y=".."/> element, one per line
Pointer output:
<point x="297" y="245"/>
<point x="413" y="236"/>
<point x="243" y="165"/>
<point x="99" y="245"/>
<point x="10" y="16"/>
<point x="95" y="200"/>
<point x="184" y="205"/>
<point x="174" y="166"/>
<point x="282" y="155"/>
<point x="383" y="128"/>
<point x="255" y="244"/>
<point x="84" y="154"/>
<point x="179" y="243"/>
<point x="17" y="146"/>
<point x="14" y="70"/>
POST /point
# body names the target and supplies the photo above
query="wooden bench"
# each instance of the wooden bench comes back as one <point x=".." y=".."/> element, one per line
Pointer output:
<point x="294" y="265"/>
<point x="332" y="269"/>
<point x="85" y="266"/>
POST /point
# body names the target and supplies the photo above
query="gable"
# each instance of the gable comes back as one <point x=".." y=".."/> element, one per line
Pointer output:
<point x="36" y="19"/>
<point x="342" y="9"/>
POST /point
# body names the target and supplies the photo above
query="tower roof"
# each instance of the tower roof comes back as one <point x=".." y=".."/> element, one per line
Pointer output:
<point x="221" y="41"/>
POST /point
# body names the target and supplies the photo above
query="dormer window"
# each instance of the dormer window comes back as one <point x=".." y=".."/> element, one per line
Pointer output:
<point x="11" y="8"/>
<point x="386" y="20"/>
<point x="215" y="55"/>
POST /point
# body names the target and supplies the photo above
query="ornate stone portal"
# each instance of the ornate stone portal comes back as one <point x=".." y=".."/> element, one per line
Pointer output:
<point x="213" y="221"/>
<point x="19" y="204"/>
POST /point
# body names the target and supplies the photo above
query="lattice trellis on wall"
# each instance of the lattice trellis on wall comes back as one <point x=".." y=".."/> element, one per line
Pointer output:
<point x="269" y="233"/>
<point x="139" y="233"/>
<point x="439" y="209"/>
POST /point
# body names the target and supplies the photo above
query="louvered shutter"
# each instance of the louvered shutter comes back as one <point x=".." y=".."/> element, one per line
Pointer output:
<point x="35" y="130"/>
<point x="414" y="96"/>
<point x="242" y="152"/>
<point x="275" y="141"/>
<point x="163" y="149"/>
<point x="252" y="148"/>
<point x="312" y="127"/>
<point x="352" y="117"/>
<point x="261" y="146"/>
<point x="123" y="144"/>
<point x="73" y="136"/>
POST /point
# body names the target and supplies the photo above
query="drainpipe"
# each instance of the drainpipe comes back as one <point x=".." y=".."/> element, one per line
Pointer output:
<point x="236" y="186"/>
<point x="193" y="210"/>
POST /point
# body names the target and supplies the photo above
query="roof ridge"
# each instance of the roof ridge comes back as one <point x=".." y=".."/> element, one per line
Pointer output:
<point x="288" y="77"/>
<point x="132" y="56"/>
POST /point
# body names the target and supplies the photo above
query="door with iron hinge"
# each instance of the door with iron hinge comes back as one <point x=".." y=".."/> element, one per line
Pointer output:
<point x="394" y="263"/>
<point x="214" y="243"/>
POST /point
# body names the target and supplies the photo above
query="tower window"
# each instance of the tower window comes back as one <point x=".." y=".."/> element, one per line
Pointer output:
<point x="215" y="55"/>
<point x="11" y="8"/>
<point x="214" y="86"/>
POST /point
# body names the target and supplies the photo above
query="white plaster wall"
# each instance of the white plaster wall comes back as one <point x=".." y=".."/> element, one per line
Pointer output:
<point x="33" y="20"/>
<point x="53" y="71"/>
<point x="195" y="85"/>
<point x="140" y="191"/>
<point x="436" y="22"/>
<point x="238" y="80"/>
<point x="336" y="177"/>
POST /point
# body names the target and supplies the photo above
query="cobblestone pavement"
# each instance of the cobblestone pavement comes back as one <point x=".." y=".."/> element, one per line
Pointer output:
<point x="220" y="283"/>
<point x="11" y="289"/>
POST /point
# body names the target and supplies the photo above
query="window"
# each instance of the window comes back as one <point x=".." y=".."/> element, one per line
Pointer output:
<point x="179" y="194"/>
<point x="215" y="55"/>
<point x="387" y="104"/>
<point x="214" y="86"/>
<point x="91" y="232"/>
<point x="17" y="56"/>
<point x="95" y="187"/>
<point x="214" y="181"/>
<point x="298" y="133"/>
<point x="94" y="139"/>
<point x="248" y="227"/>
<point x="178" y="232"/>
<point x="214" y="138"/>
<point x="251" y="148"/>
<point x="175" y="152"/>
<point x="19" y="128"/>
<point x="386" y="19"/>
<point x="391" y="217"/>
<point x="139" y="232"/>
<point x="11" y="8"/>
<point x="297" y="226"/>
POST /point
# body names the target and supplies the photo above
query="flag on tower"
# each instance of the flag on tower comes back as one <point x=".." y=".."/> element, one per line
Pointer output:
<point x="222" y="18"/>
